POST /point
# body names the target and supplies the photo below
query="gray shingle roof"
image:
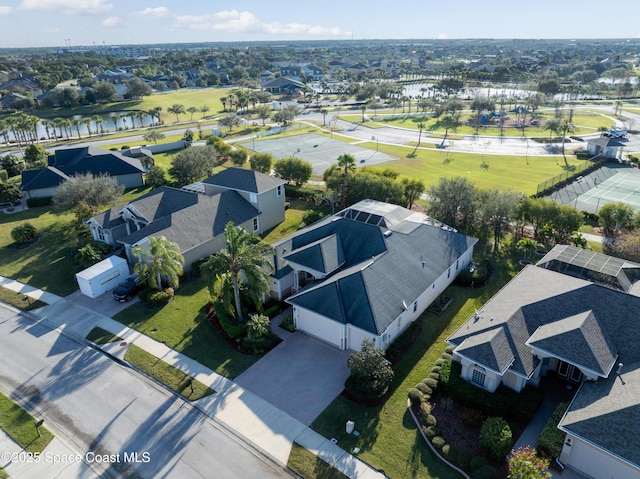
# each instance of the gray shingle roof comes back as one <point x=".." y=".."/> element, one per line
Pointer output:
<point x="198" y="222"/>
<point x="492" y="346"/>
<point x="383" y="270"/>
<point x="244" y="180"/>
<point x="589" y="325"/>
<point x="577" y="339"/>
<point x="607" y="413"/>
<point x="74" y="161"/>
<point x="537" y="297"/>
<point x="325" y="255"/>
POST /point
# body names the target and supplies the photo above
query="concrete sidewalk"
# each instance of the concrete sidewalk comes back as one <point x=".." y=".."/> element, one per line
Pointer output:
<point x="239" y="411"/>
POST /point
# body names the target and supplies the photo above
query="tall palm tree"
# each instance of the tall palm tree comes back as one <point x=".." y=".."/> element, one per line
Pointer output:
<point x="241" y="263"/>
<point x="87" y="123"/>
<point x="204" y="109"/>
<point x="155" y="112"/>
<point x="77" y="122"/>
<point x="162" y="259"/>
<point x="347" y="162"/>
<point x="324" y="112"/>
<point x="421" y="125"/>
<point x="192" y="110"/>
<point x="177" y="109"/>
<point x="99" y="121"/>
<point x="223" y="99"/>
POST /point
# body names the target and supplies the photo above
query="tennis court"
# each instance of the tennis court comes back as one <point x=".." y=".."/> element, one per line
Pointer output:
<point x="609" y="184"/>
<point x="318" y="150"/>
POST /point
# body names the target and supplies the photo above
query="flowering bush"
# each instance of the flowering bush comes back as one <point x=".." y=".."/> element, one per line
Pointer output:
<point x="525" y="464"/>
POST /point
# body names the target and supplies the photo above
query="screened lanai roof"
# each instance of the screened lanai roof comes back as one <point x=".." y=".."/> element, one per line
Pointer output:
<point x="614" y="272"/>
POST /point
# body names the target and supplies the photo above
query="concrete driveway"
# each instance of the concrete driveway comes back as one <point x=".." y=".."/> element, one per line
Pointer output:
<point x="301" y="376"/>
<point x="103" y="304"/>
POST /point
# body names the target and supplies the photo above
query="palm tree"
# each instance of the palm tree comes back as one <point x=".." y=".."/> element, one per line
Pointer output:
<point x="421" y="125"/>
<point x="87" y="123"/>
<point x="204" y="109"/>
<point x="155" y="112"/>
<point x="99" y="122"/>
<point x="324" y="112"/>
<point x="223" y="99"/>
<point x="449" y="122"/>
<point x="348" y="163"/>
<point x="240" y="264"/>
<point x="161" y="260"/>
<point x="176" y="109"/>
<point x="192" y="110"/>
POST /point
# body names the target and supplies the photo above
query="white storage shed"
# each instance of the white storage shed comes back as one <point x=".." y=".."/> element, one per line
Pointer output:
<point x="103" y="276"/>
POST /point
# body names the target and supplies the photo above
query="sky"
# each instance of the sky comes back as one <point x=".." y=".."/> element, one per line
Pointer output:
<point x="39" y="23"/>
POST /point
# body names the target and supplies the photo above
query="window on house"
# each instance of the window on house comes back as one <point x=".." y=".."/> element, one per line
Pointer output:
<point x="255" y="224"/>
<point x="478" y="377"/>
<point x="253" y="198"/>
<point x="100" y="234"/>
<point x="449" y="273"/>
<point x="415" y="306"/>
<point x="457" y="264"/>
<point x="279" y="190"/>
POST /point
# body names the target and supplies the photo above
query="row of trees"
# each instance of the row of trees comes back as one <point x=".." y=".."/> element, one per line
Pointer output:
<point x="489" y="214"/>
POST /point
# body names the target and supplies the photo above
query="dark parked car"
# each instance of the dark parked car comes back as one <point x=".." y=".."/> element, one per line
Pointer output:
<point x="129" y="287"/>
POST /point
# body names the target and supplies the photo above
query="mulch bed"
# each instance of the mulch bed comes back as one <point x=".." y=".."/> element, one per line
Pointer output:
<point x="213" y="321"/>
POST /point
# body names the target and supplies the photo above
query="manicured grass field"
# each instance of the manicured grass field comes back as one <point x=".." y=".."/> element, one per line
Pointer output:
<point x="168" y="375"/>
<point x="389" y="439"/>
<point x="187" y="97"/>
<point x="497" y="171"/>
<point x="19" y="425"/>
<point x="183" y="326"/>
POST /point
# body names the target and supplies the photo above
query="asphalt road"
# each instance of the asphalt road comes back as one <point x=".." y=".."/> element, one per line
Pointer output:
<point x="101" y="408"/>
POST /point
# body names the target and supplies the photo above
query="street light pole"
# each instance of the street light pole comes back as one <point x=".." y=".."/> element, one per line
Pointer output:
<point x="376" y="140"/>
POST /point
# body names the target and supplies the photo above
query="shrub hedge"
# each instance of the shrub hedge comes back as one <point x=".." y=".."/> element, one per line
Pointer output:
<point x="233" y="328"/>
<point x="485" y="472"/>
<point x="551" y="438"/>
<point x="415" y="396"/>
<point x="424" y="389"/>
<point x="496" y="438"/>
<point x="504" y="402"/>
<point x="35" y="202"/>
<point x="431" y="432"/>
<point x="438" y="442"/>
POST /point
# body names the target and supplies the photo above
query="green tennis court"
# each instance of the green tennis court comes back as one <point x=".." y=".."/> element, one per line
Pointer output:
<point x="607" y="185"/>
<point x="318" y="150"/>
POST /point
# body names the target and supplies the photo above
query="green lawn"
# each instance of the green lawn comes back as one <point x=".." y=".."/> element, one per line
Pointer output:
<point x="17" y="300"/>
<point x="584" y="123"/>
<point x="168" y="375"/>
<point x="187" y="97"/>
<point x="523" y="174"/>
<point x="182" y="325"/>
<point x="389" y="438"/>
<point x="102" y="336"/>
<point x="19" y="425"/>
<point x="306" y="464"/>
<point x="47" y="263"/>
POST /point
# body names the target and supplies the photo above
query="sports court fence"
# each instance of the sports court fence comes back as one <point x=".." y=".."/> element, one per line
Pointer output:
<point x="546" y="187"/>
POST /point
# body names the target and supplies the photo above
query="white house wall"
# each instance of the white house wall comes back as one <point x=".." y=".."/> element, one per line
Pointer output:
<point x="319" y="326"/>
<point x="355" y="336"/>
<point x="271" y="207"/>
<point x="492" y="379"/>
<point x="594" y="462"/>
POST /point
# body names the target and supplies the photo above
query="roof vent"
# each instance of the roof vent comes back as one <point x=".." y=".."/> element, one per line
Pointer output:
<point x="404" y="305"/>
<point x="387" y="233"/>
<point x="619" y="371"/>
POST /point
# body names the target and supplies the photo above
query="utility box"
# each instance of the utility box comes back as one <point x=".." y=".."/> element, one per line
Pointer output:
<point x="350" y="426"/>
<point x="103" y="276"/>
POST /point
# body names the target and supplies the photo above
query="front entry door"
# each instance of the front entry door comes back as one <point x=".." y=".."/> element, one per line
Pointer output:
<point x="569" y="372"/>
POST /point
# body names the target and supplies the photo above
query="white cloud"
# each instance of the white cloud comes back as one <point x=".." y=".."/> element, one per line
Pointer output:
<point x="4" y="10"/>
<point x="68" y="7"/>
<point x="110" y="21"/>
<point x="155" y="12"/>
<point x="234" y="21"/>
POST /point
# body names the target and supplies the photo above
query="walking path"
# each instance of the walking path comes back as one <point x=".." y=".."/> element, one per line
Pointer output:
<point x="239" y="411"/>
